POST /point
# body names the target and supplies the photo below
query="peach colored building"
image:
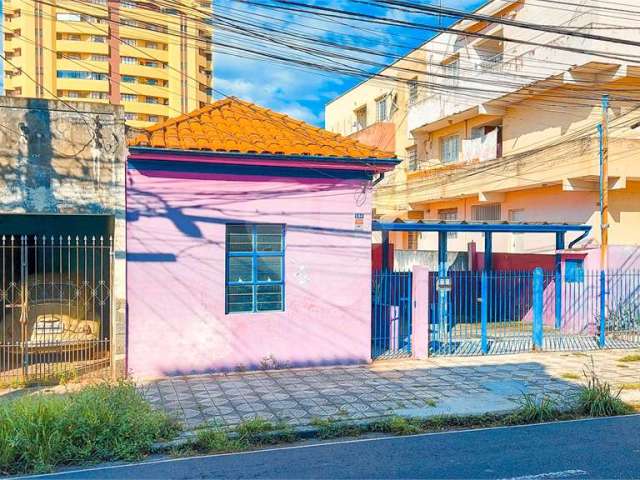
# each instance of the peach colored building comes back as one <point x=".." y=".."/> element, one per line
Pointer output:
<point x="505" y="126"/>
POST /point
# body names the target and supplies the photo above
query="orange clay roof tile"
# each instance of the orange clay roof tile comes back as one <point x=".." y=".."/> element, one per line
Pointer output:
<point x="233" y="125"/>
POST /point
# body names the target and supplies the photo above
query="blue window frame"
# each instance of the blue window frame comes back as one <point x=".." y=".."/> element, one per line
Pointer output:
<point x="254" y="268"/>
<point x="574" y="270"/>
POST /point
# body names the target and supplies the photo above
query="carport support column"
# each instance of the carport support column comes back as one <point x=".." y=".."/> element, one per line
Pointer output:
<point x="558" y="279"/>
<point x="443" y="285"/>
<point x="538" y="279"/>
<point x="420" y="315"/>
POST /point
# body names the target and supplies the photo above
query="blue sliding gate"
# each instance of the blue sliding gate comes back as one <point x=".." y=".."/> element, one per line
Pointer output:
<point x="391" y="314"/>
<point x="476" y="313"/>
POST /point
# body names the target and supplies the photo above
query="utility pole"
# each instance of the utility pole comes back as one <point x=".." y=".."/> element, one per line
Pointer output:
<point x="604" y="184"/>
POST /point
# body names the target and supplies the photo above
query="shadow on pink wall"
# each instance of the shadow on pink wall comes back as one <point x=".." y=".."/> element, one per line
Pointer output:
<point x="176" y="273"/>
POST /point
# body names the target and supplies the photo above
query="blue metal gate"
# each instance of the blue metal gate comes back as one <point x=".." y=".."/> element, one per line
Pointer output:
<point x="391" y="314"/>
<point x="475" y="313"/>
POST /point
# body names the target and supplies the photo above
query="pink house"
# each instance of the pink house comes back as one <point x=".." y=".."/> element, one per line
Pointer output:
<point x="249" y="243"/>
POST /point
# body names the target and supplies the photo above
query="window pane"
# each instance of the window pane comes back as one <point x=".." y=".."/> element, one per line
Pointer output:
<point x="269" y="297"/>
<point x="239" y="238"/>
<point x="239" y="298"/>
<point x="240" y="269"/>
<point x="269" y="238"/>
<point x="269" y="269"/>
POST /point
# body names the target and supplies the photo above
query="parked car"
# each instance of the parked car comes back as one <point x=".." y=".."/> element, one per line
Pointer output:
<point x="57" y="312"/>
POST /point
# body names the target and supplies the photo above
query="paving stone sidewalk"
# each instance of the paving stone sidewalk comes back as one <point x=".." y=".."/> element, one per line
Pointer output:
<point x="455" y="385"/>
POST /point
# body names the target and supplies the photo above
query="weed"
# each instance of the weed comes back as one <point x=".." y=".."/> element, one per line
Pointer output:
<point x="633" y="357"/>
<point x="213" y="440"/>
<point x="99" y="423"/>
<point x="251" y="431"/>
<point x="397" y="426"/>
<point x="343" y="412"/>
<point x="570" y="376"/>
<point x="430" y="402"/>
<point x="535" y="409"/>
<point x="272" y="363"/>
<point x="598" y="399"/>
<point x="331" y="428"/>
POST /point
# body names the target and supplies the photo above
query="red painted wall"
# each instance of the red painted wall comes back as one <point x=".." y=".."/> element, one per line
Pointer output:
<point x="376" y="256"/>
<point x="511" y="262"/>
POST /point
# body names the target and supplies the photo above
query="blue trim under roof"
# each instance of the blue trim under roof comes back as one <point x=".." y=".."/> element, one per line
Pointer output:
<point x="471" y="226"/>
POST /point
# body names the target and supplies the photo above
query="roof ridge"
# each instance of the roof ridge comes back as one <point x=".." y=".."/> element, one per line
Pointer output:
<point x="245" y="127"/>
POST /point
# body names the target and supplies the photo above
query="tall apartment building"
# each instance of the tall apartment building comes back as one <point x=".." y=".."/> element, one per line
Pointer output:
<point x="498" y="122"/>
<point x="154" y="58"/>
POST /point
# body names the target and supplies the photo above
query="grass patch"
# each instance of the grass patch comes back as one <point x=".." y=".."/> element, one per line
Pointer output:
<point x="570" y="376"/>
<point x="99" y="423"/>
<point x="633" y="357"/>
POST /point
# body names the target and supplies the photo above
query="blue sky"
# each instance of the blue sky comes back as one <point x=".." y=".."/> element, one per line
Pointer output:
<point x="303" y="92"/>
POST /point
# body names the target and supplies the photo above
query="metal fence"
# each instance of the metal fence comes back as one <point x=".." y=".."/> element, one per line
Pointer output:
<point x="475" y="313"/>
<point x="391" y="314"/>
<point x="56" y="307"/>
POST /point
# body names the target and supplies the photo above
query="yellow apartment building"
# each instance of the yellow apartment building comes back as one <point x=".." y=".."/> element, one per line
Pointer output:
<point x="497" y="122"/>
<point x="154" y="59"/>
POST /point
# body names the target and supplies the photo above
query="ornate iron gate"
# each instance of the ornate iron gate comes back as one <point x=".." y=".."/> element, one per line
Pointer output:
<point x="56" y="307"/>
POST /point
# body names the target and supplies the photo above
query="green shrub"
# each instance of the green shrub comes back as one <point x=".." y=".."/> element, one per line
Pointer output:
<point x="99" y="423"/>
<point x="633" y="357"/>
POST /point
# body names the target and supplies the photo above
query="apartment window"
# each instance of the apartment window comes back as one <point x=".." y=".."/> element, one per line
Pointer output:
<point x="412" y="159"/>
<point x="451" y="70"/>
<point x="151" y="81"/>
<point x="130" y="116"/>
<point x="98" y="38"/>
<point x="151" y="100"/>
<point x="450" y="149"/>
<point x="128" y="97"/>
<point x="255" y="268"/>
<point x="73" y="36"/>
<point x="128" y="79"/>
<point x="381" y="109"/>
<point x="412" y="240"/>
<point x="68" y="17"/>
<point x="447" y="215"/>
<point x="361" y="118"/>
<point x="81" y="75"/>
<point x="129" y="41"/>
<point x="153" y="118"/>
<point x="128" y="4"/>
<point x="69" y="56"/>
<point x="152" y="45"/>
<point x="413" y="90"/>
<point x="486" y="213"/>
<point x="72" y="94"/>
<point x="100" y="58"/>
<point x="128" y="60"/>
<point x="98" y="95"/>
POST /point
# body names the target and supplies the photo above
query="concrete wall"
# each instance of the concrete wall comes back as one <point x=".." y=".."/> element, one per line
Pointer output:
<point x="67" y="158"/>
<point x="176" y="272"/>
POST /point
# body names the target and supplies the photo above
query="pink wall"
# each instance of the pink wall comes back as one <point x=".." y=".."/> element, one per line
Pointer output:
<point x="176" y="272"/>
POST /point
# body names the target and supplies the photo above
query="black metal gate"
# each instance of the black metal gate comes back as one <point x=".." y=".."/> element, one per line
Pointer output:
<point x="56" y="307"/>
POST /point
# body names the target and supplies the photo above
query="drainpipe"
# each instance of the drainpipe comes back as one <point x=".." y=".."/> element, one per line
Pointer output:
<point x="378" y="180"/>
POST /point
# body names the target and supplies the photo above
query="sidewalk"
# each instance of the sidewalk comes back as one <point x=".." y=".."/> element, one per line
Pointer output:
<point x="456" y="385"/>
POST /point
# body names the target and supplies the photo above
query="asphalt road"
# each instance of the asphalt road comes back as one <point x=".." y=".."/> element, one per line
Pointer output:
<point x="603" y="448"/>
